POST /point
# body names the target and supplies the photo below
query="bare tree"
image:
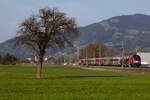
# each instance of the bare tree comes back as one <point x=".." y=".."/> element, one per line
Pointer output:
<point x="96" y="50"/>
<point x="48" y="28"/>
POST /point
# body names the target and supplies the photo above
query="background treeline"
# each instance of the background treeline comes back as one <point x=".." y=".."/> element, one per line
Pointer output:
<point x="9" y="59"/>
<point x="96" y="50"/>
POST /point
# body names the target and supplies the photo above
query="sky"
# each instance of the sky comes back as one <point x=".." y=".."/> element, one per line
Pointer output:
<point x="13" y="12"/>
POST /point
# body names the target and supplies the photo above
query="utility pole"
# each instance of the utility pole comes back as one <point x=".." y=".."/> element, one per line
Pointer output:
<point x="94" y="53"/>
<point x="86" y="56"/>
<point x="86" y="53"/>
<point x="64" y="57"/>
<point x="122" y="54"/>
<point x="78" y="52"/>
<point x="138" y="49"/>
<point x="99" y="53"/>
<point x="127" y="51"/>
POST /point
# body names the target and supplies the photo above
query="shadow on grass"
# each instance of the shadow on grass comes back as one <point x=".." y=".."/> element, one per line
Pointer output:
<point x="72" y="77"/>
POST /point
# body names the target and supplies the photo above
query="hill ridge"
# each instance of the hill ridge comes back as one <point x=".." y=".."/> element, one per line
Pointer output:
<point x="132" y="29"/>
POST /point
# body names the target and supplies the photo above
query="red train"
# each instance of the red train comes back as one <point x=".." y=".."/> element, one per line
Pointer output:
<point x="127" y="61"/>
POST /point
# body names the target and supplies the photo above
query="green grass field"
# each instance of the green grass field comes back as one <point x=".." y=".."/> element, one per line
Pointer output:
<point x="70" y="83"/>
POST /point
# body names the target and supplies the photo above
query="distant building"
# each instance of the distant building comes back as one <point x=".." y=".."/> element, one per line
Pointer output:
<point x="36" y="58"/>
<point x="29" y="59"/>
<point x="145" y="58"/>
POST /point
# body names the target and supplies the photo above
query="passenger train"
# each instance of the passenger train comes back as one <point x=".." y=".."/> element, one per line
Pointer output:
<point x="126" y="61"/>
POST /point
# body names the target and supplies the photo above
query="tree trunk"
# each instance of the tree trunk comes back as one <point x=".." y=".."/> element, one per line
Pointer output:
<point x="39" y="69"/>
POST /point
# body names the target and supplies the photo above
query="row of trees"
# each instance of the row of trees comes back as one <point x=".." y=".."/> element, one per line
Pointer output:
<point x="8" y="59"/>
<point x="96" y="50"/>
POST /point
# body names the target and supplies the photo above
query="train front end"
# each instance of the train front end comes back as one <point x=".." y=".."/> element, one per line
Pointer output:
<point x="136" y="62"/>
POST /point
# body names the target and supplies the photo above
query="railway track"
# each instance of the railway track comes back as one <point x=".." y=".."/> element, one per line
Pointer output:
<point x="144" y="71"/>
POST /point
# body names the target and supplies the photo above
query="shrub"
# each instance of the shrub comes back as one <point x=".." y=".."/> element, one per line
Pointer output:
<point x="8" y="59"/>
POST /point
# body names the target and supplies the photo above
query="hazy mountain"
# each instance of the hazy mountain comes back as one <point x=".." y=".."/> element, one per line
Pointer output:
<point x="8" y="47"/>
<point x="21" y="51"/>
<point x="132" y="29"/>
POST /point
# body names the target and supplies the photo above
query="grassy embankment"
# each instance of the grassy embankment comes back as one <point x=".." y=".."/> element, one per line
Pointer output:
<point x="70" y="83"/>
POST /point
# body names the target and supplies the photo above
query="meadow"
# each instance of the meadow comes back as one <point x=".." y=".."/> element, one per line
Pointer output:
<point x="70" y="83"/>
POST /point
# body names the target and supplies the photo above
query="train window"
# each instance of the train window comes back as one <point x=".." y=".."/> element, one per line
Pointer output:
<point x="136" y="57"/>
<point x="115" y="59"/>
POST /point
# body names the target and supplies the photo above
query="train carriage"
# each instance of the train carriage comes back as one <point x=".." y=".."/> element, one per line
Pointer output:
<point x="132" y="61"/>
<point x="97" y="61"/>
<point x="116" y="61"/>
